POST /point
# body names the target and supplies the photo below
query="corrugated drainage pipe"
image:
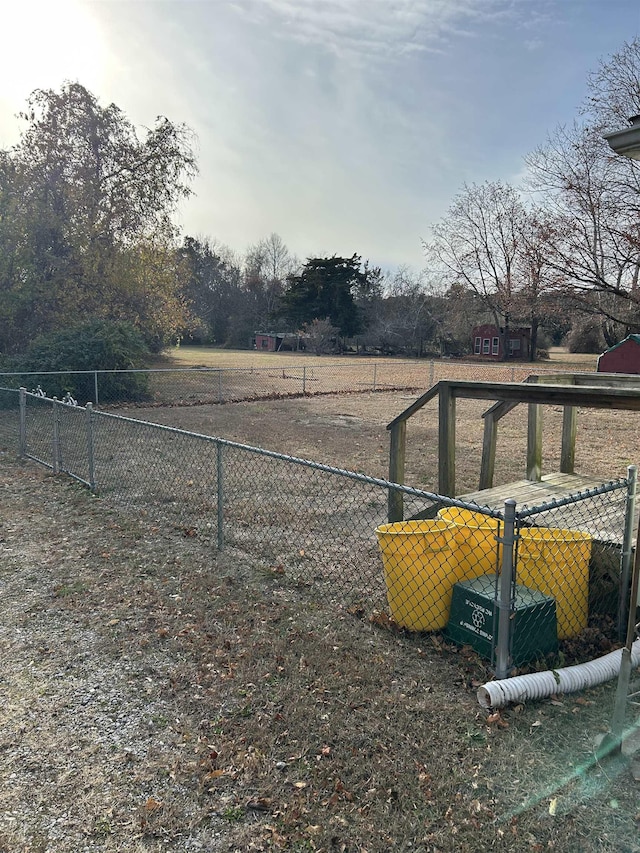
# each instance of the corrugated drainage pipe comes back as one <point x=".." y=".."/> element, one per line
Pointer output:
<point x="540" y="685"/>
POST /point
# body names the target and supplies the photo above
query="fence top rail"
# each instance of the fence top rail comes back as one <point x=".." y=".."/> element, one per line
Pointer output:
<point x="213" y="369"/>
<point x="594" y="397"/>
<point x="555" y="503"/>
<point x="307" y="463"/>
<point x="432" y="497"/>
<point x="271" y="367"/>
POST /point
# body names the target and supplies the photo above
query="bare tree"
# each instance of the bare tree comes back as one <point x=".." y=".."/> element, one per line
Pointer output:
<point x="478" y="243"/>
<point x="266" y="267"/>
<point x="592" y="198"/>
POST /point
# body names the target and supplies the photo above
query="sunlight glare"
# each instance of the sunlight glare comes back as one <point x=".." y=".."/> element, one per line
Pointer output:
<point x="45" y="43"/>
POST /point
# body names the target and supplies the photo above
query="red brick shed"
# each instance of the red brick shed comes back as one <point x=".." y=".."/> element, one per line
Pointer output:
<point x="621" y="358"/>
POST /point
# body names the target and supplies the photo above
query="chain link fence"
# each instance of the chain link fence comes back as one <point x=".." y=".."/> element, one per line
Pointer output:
<point x="191" y="386"/>
<point x="530" y="586"/>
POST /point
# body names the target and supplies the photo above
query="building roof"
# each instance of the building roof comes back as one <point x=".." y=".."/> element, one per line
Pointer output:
<point x="634" y="338"/>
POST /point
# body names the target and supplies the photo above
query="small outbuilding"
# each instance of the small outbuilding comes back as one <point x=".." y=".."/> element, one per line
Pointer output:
<point x="278" y="341"/>
<point x="623" y="357"/>
<point x="489" y="342"/>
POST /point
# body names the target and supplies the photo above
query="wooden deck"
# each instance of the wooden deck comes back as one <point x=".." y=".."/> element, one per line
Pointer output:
<point x="602" y="516"/>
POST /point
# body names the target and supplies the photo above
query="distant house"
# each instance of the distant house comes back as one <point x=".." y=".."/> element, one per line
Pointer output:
<point x="623" y="357"/>
<point x="277" y="341"/>
<point x="488" y="342"/>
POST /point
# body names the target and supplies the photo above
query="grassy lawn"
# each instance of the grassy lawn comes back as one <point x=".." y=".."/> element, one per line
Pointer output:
<point x="185" y="356"/>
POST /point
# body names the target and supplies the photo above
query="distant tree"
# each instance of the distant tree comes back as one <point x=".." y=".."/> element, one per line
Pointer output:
<point x="492" y="244"/>
<point x="477" y="244"/>
<point x="586" y="336"/>
<point x="214" y="289"/>
<point x="324" y="289"/>
<point x="83" y="203"/>
<point x="321" y="336"/>
<point x="595" y="243"/>
<point x="614" y="88"/>
<point x="594" y="198"/>
<point x="267" y="265"/>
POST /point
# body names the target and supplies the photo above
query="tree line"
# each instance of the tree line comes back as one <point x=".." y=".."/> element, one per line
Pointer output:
<point x="88" y="236"/>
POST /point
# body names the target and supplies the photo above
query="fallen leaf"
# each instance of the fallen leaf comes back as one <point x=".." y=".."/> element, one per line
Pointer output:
<point x="496" y="719"/>
<point x="259" y="804"/>
<point x="553" y="806"/>
<point x="152" y="805"/>
<point x="300" y="785"/>
<point x="214" y="774"/>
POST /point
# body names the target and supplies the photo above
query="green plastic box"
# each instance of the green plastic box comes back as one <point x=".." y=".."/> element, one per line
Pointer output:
<point x="471" y="621"/>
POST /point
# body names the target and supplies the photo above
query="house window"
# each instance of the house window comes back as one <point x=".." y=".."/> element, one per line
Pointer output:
<point x="265" y="343"/>
<point x="477" y="345"/>
<point x="494" y="346"/>
<point x="514" y="345"/>
<point x="485" y="346"/>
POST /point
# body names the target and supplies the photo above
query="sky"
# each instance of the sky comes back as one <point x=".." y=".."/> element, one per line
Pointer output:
<point x="344" y="126"/>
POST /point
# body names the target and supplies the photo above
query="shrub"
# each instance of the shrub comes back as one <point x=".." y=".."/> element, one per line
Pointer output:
<point x="586" y="336"/>
<point x="97" y="345"/>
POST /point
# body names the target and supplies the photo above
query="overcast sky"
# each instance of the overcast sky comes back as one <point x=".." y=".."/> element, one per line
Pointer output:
<point x="342" y="125"/>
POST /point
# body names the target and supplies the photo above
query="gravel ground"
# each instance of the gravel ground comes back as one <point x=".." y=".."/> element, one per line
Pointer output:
<point x="89" y="730"/>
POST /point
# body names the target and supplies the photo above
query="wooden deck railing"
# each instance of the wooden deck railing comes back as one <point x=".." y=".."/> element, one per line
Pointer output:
<point x="588" y="390"/>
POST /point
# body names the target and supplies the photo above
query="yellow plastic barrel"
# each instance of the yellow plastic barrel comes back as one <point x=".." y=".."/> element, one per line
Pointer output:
<point x="477" y="551"/>
<point x="556" y="562"/>
<point x="419" y="572"/>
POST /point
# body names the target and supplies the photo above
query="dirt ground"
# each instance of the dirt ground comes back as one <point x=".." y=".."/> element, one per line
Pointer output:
<point x="159" y="695"/>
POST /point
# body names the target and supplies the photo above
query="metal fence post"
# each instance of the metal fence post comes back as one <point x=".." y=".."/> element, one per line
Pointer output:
<point x="95" y="388"/>
<point x="304" y="380"/>
<point x="220" y="498"/>
<point x="627" y="550"/>
<point x="375" y="375"/>
<point x="90" y="456"/>
<point x="22" y="437"/>
<point x="219" y="385"/>
<point x="56" y="436"/>
<point x="506" y="590"/>
<point x="431" y="373"/>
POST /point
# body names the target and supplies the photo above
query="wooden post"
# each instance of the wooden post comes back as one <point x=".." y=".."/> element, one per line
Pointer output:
<point x="446" y="440"/>
<point x="534" y="443"/>
<point x="569" y="431"/>
<point x="395" y="506"/>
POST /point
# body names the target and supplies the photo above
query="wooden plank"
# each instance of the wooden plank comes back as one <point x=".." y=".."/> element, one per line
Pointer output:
<point x="415" y="406"/>
<point x="584" y="515"/>
<point x="533" y="493"/>
<point x="395" y="508"/>
<point x="488" y="462"/>
<point x="446" y="440"/>
<point x="568" y="446"/>
<point x="534" y="442"/>
<point x="589" y="397"/>
<point x="603" y="397"/>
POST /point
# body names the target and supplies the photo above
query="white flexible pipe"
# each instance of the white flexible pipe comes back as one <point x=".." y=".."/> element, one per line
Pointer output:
<point x="539" y="685"/>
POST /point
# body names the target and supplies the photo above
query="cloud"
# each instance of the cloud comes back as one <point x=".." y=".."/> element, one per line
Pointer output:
<point x="370" y="30"/>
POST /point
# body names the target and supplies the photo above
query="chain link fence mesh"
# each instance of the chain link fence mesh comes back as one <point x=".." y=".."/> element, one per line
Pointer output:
<point x="327" y="528"/>
<point x="190" y="386"/>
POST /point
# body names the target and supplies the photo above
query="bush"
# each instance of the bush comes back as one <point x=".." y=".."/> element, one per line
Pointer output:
<point x="98" y="345"/>
<point x="586" y="336"/>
